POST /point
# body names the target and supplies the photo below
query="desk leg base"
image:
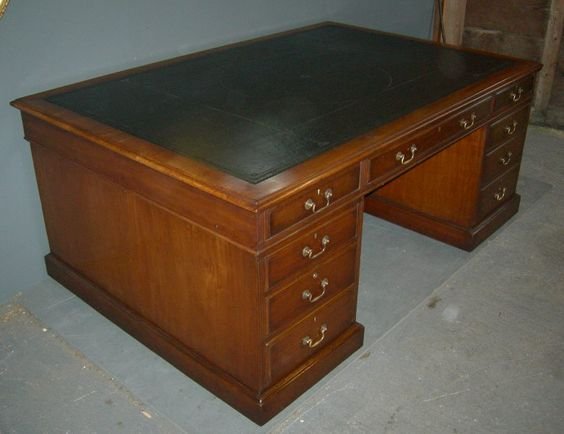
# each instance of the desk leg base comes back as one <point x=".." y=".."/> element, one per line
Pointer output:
<point x="458" y="236"/>
<point x="259" y="407"/>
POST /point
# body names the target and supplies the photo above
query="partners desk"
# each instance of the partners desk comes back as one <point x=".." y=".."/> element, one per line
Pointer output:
<point x="211" y="205"/>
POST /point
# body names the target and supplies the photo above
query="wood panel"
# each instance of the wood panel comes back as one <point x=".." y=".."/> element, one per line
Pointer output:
<point x="454" y="16"/>
<point x="164" y="268"/>
<point x="319" y="328"/>
<point x="502" y="158"/>
<point x="516" y="27"/>
<point x="314" y="288"/>
<point x="445" y="186"/>
<point x="525" y="17"/>
<point x="551" y="50"/>
<point x="510" y="44"/>
<point x="530" y="29"/>
<point x="322" y="240"/>
<point x="224" y="219"/>
<point x="554" y="115"/>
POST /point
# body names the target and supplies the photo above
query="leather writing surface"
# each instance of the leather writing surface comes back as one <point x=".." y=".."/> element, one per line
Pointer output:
<point x="255" y="110"/>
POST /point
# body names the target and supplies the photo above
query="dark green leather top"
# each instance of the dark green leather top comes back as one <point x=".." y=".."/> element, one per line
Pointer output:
<point x="255" y="110"/>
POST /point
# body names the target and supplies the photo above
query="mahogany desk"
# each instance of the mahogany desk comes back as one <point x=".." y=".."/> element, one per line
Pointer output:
<point x="212" y="205"/>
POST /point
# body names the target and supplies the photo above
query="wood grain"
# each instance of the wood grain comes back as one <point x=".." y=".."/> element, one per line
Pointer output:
<point x="454" y="13"/>
<point x="550" y="54"/>
<point x="525" y="17"/>
<point x="445" y="186"/>
<point x="160" y="266"/>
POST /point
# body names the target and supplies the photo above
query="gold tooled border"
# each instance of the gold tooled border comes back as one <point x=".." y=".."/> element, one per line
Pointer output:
<point x="3" y="6"/>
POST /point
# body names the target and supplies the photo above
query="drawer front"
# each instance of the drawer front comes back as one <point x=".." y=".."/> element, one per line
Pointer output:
<point x="314" y="200"/>
<point x="419" y="146"/>
<point x="310" y="335"/>
<point x="312" y="247"/>
<point x="502" y="159"/>
<point x="512" y="125"/>
<point x="514" y="94"/>
<point x="313" y="289"/>
<point x="498" y="192"/>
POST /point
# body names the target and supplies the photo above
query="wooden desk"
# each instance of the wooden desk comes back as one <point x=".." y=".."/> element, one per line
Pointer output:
<point x="212" y="205"/>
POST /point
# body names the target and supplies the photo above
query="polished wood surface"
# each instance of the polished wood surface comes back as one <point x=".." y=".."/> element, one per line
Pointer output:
<point x="311" y="334"/>
<point x="251" y="288"/>
<point x="155" y="263"/>
<point x="321" y="198"/>
<point x="445" y="186"/>
<point x="464" y="193"/>
<point x="501" y="158"/>
<point x="322" y="240"/>
<point x="312" y="289"/>
<point x="514" y="124"/>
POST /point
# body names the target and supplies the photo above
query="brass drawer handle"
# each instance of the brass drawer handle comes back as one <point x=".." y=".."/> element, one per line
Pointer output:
<point x="307" y="251"/>
<point x="310" y="204"/>
<point x="307" y="295"/>
<point x="309" y="342"/>
<point x="507" y="159"/>
<point x="516" y="94"/>
<point x="400" y="156"/>
<point x="500" y="194"/>
<point x="510" y="129"/>
<point x="467" y="124"/>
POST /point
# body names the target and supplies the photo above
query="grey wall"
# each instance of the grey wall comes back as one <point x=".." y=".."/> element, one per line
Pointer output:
<point x="47" y="44"/>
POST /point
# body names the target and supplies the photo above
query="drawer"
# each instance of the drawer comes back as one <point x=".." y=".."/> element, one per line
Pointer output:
<point x="413" y="149"/>
<point x="512" y="125"/>
<point x="313" y="246"/>
<point x="313" y="289"/>
<point x="502" y="158"/>
<point x="514" y="94"/>
<point x="498" y="192"/>
<point x="314" y="200"/>
<point x="304" y="339"/>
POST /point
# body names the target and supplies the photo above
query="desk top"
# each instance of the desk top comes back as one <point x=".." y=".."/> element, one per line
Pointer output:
<point x="253" y="122"/>
<point x="256" y="110"/>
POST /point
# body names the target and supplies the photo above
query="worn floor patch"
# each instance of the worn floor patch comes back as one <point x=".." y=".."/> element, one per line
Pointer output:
<point x="41" y="375"/>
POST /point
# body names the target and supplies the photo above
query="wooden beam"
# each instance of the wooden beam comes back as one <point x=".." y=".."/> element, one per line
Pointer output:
<point x="454" y="12"/>
<point x="550" y="54"/>
<point x="436" y="33"/>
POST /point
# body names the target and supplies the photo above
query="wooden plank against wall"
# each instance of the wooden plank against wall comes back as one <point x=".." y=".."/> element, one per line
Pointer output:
<point x="454" y="13"/>
<point x="530" y="29"/>
<point x="436" y="27"/>
<point x="453" y="16"/>
<point x="513" y="27"/>
<point x="550" y="55"/>
<point x="520" y="17"/>
<point x="496" y="41"/>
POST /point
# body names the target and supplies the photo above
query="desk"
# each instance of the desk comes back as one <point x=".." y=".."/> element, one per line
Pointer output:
<point x="211" y="205"/>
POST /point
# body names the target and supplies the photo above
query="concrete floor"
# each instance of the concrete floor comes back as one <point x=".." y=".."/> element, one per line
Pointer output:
<point x="456" y="342"/>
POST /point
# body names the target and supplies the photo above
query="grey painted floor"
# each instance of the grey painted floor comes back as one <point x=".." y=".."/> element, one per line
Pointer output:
<point x="456" y="342"/>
